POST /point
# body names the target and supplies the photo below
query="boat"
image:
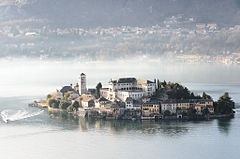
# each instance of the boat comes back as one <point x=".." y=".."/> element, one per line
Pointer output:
<point x="6" y="120"/>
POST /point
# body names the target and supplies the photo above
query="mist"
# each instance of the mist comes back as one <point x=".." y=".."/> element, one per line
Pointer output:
<point x="21" y="77"/>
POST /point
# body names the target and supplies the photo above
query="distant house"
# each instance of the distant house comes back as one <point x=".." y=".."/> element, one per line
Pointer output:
<point x="170" y="105"/>
<point x="201" y="25"/>
<point x="212" y="26"/>
<point x="201" y="104"/>
<point x="131" y="103"/>
<point x="183" y="106"/>
<point x="198" y="104"/>
<point x="136" y="95"/>
<point x="146" y="99"/>
<point x="101" y="102"/>
<point x="106" y="93"/>
<point x="86" y="101"/>
<point x="151" y="108"/>
<point x="114" y="109"/>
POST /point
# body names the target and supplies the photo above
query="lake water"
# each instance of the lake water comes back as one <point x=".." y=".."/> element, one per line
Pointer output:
<point x="32" y="133"/>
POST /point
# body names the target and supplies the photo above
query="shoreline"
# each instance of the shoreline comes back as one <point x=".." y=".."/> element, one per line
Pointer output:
<point x="163" y="118"/>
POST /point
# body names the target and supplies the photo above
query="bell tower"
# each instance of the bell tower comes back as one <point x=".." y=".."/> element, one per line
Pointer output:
<point x="82" y="82"/>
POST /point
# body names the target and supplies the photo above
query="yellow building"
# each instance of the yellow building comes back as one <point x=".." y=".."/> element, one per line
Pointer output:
<point x="151" y="108"/>
<point x="202" y="104"/>
<point x="183" y="105"/>
<point x="198" y="104"/>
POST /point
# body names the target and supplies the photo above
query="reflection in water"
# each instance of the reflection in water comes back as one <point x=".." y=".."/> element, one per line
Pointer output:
<point x="63" y="119"/>
<point x="70" y="122"/>
<point x="224" y="125"/>
<point x="168" y="128"/>
<point x="173" y="128"/>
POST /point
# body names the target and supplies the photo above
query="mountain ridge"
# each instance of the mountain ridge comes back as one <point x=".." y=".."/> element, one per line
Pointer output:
<point x="94" y="13"/>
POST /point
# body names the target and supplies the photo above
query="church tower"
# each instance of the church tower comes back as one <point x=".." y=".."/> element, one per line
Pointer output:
<point x="82" y="82"/>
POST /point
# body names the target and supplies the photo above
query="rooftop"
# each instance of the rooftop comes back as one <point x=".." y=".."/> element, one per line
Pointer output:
<point x="152" y="102"/>
<point x="102" y="99"/>
<point x="125" y="80"/>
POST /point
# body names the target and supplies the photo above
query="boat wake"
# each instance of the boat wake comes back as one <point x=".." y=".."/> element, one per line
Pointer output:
<point x="8" y="115"/>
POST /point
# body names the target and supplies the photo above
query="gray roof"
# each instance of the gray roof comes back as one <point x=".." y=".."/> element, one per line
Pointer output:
<point x="126" y="80"/>
<point x="170" y="101"/>
<point x="117" y="105"/>
<point x="66" y="89"/>
<point x="102" y="99"/>
<point x="152" y="102"/>
<point x="186" y="101"/>
<point x="200" y="100"/>
<point x="129" y="99"/>
<point x="148" y="82"/>
<point x="137" y="102"/>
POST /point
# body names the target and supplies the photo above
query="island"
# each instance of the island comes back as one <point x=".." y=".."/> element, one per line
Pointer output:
<point x="137" y="99"/>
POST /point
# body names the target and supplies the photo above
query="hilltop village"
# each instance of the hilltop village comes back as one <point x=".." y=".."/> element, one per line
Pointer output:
<point x="132" y="98"/>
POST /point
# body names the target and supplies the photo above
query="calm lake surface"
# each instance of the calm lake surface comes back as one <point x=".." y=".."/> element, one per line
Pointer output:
<point x="36" y="134"/>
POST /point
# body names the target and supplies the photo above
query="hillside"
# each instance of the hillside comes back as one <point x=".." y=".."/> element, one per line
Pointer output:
<point x="92" y="13"/>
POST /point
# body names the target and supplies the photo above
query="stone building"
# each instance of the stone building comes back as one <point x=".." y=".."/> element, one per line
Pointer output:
<point x="123" y="88"/>
<point x="82" y="83"/>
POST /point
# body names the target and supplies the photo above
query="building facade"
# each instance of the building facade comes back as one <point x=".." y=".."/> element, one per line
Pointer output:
<point x="184" y="106"/>
<point x="82" y="83"/>
<point x="169" y="105"/>
<point x="132" y="104"/>
<point x="201" y="104"/>
<point x="136" y="95"/>
<point x="151" y="108"/>
<point x="123" y="88"/>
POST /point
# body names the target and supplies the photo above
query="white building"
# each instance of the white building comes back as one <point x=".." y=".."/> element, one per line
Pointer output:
<point x="108" y="94"/>
<point x="130" y="103"/>
<point x="128" y="87"/>
<point x="101" y="102"/>
<point x="147" y="86"/>
<point x="86" y="101"/>
<point x="123" y="95"/>
<point x="170" y="106"/>
<point x="82" y="82"/>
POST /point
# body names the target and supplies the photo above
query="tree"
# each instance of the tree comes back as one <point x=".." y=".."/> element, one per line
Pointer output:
<point x="164" y="83"/>
<point x="75" y="104"/>
<point x="167" y="113"/>
<point x="66" y="95"/>
<point x="192" y="96"/>
<point x="49" y="96"/>
<point x="52" y="102"/>
<point x="73" y="107"/>
<point x="158" y="84"/>
<point x="64" y="104"/>
<point x="192" y="113"/>
<point x="224" y="105"/>
<point x="206" y="96"/>
<point x="205" y="111"/>
<point x="98" y="87"/>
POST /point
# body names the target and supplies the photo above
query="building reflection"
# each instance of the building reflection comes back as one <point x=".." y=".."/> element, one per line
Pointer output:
<point x="69" y="122"/>
<point x="224" y="125"/>
<point x="62" y="119"/>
